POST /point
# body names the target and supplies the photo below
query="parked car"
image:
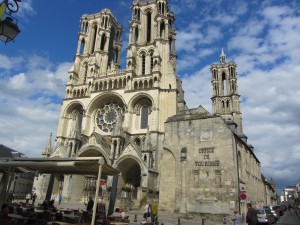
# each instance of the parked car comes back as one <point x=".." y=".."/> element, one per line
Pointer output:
<point x="273" y="210"/>
<point x="283" y="205"/>
<point x="279" y="209"/>
<point x="264" y="216"/>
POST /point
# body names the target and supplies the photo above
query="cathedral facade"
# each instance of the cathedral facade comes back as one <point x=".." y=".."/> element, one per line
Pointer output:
<point x="136" y="119"/>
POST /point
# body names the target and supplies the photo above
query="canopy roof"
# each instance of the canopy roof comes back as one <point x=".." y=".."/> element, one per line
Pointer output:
<point x="79" y="165"/>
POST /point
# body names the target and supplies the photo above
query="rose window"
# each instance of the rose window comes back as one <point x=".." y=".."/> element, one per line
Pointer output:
<point x="106" y="116"/>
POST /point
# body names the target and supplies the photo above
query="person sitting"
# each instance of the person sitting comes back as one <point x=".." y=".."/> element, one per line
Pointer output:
<point x="45" y="205"/>
<point x="51" y="206"/>
<point x="117" y="213"/>
<point x="4" y="212"/>
<point x="123" y="213"/>
<point x="90" y="204"/>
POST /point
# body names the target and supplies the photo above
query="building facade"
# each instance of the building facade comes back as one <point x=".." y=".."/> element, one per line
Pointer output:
<point x="136" y="118"/>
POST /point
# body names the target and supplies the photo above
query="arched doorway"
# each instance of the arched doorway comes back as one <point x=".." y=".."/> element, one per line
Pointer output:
<point x="129" y="184"/>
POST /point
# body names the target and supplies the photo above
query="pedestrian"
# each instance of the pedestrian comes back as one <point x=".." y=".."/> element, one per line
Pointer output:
<point x="10" y="197"/>
<point x="236" y="218"/>
<point x="90" y="204"/>
<point x="59" y="199"/>
<point x="147" y="211"/>
<point x="27" y="198"/>
<point x="154" y="210"/>
<point x="52" y="197"/>
<point x="33" y="197"/>
<point x="251" y="217"/>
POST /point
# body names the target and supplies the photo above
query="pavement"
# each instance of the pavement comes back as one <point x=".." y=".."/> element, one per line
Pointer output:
<point x="164" y="218"/>
<point x="167" y="218"/>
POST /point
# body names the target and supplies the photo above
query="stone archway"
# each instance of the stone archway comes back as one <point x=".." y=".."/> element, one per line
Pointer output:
<point x="129" y="184"/>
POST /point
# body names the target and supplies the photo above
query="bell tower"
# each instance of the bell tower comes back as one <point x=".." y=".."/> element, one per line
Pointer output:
<point x="151" y="48"/>
<point x="225" y="99"/>
<point x="98" y="49"/>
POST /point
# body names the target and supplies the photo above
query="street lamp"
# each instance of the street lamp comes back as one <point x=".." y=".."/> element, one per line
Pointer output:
<point x="8" y="27"/>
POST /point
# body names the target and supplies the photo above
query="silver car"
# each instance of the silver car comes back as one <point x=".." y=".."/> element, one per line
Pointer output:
<point x="264" y="216"/>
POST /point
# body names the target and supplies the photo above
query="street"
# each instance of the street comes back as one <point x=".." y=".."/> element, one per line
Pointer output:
<point x="288" y="219"/>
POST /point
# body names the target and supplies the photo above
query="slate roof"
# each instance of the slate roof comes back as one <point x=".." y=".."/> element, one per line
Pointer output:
<point x="6" y="152"/>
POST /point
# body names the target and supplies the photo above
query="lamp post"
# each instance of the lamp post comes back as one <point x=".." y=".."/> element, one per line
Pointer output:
<point x="8" y="26"/>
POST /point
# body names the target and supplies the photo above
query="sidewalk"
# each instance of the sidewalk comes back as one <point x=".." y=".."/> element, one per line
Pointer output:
<point x="165" y="218"/>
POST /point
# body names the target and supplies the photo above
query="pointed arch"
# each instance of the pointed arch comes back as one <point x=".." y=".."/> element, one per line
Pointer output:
<point x="149" y="26"/>
<point x="103" y="42"/>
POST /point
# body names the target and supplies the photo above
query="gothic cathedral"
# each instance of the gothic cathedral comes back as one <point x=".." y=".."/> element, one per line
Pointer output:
<point x="135" y="118"/>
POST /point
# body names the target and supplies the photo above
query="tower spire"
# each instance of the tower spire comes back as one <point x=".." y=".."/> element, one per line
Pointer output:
<point x="222" y="57"/>
<point x="48" y="149"/>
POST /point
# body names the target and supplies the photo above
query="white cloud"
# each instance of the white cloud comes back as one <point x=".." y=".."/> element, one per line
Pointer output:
<point x="28" y="113"/>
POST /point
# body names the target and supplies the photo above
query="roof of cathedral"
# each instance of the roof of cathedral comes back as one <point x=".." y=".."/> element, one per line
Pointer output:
<point x="191" y="114"/>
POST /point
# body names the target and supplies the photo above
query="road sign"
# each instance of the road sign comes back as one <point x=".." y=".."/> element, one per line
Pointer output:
<point x="17" y="177"/>
<point x="243" y="196"/>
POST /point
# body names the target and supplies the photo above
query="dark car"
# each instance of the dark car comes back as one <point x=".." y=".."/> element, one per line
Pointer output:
<point x="279" y="209"/>
<point x="273" y="210"/>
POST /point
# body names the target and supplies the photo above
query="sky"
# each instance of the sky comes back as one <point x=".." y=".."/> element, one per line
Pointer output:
<point x="261" y="36"/>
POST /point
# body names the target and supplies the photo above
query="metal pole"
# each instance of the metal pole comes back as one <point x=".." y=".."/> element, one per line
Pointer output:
<point x="113" y="195"/>
<point x="50" y="187"/>
<point x="101" y="161"/>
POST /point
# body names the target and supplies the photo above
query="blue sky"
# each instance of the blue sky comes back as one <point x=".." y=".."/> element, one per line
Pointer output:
<point x="262" y="37"/>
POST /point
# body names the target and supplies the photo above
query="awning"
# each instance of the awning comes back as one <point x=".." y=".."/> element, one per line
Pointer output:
<point x="79" y="165"/>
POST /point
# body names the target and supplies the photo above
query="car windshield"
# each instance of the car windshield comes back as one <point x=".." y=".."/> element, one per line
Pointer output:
<point x="268" y="211"/>
<point x="260" y="211"/>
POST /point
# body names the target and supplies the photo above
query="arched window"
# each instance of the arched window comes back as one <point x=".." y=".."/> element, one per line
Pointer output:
<point x="103" y="41"/>
<point x="85" y="73"/>
<point x="143" y="64"/>
<point x="144" y="117"/>
<point x="105" y="23"/>
<point x="148" y="27"/>
<point x="136" y="34"/>
<point x="116" y="56"/>
<point x="162" y="29"/>
<point x="86" y="27"/>
<point x="94" y="39"/>
<point x="151" y="62"/>
<point x="70" y="149"/>
<point x="224" y="83"/>
<point x="82" y="47"/>
<point x="171" y="45"/>
<point x="139" y="14"/>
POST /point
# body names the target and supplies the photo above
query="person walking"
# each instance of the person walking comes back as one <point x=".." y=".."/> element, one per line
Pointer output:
<point x="236" y="218"/>
<point x="251" y="217"/>
<point x="90" y="204"/>
<point x="147" y="211"/>
<point x="33" y="196"/>
<point x="59" y="199"/>
<point x="27" y="198"/>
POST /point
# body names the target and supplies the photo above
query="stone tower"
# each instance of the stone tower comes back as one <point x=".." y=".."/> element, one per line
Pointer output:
<point x="225" y="99"/>
<point x="116" y="113"/>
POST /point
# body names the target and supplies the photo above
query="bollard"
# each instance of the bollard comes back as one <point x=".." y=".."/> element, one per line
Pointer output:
<point x="224" y="220"/>
<point x="179" y="221"/>
<point x="135" y="218"/>
<point x="202" y="221"/>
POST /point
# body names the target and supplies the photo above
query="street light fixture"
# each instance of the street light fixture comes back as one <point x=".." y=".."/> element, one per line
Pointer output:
<point x="8" y="26"/>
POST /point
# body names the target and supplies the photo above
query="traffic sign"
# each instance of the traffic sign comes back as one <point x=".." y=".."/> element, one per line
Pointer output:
<point x="243" y="196"/>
